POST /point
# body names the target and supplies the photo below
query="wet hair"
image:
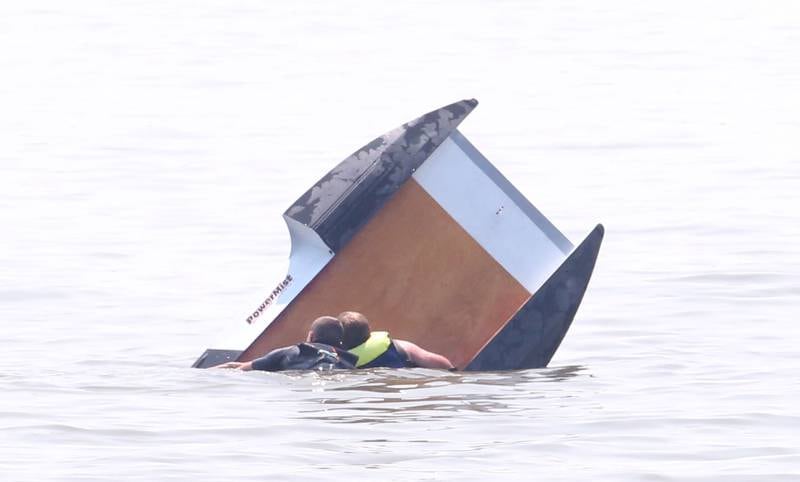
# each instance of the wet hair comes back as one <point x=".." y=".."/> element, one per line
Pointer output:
<point x="356" y="328"/>
<point x="327" y="330"/>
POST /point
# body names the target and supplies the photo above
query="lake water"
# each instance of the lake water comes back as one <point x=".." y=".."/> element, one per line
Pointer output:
<point x="148" y="149"/>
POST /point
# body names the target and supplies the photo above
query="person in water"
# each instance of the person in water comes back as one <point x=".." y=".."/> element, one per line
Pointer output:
<point x="377" y="349"/>
<point x="322" y="350"/>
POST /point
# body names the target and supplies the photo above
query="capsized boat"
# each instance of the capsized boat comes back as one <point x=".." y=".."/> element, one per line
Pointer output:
<point x="422" y="234"/>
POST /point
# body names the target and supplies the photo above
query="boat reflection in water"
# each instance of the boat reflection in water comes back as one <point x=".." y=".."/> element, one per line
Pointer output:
<point x="387" y="396"/>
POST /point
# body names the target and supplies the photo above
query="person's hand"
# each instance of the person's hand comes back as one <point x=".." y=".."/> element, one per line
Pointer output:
<point x="230" y="364"/>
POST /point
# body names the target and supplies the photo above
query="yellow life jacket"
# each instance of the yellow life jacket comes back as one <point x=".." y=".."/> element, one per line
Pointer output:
<point x="375" y="346"/>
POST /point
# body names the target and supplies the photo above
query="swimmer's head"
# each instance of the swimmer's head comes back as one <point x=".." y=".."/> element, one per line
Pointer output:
<point x="327" y="330"/>
<point x="356" y="328"/>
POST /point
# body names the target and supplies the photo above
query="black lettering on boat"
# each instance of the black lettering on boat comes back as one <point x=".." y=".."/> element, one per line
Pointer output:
<point x="270" y="299"/>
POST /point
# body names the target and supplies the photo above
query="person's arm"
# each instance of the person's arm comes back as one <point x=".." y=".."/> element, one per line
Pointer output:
<point x="271" y="362"/>
<point x="423" y="358"/>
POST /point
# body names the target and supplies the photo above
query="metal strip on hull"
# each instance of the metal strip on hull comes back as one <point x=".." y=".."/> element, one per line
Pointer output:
<point x="493" y="212"/>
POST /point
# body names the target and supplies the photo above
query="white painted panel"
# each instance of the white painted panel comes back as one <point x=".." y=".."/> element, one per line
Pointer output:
<point x="490" y="215"/>
<point x="309" y="255"/>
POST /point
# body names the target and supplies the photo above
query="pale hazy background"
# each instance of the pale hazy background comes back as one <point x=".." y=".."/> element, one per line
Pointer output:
<point x="148" y="149"/>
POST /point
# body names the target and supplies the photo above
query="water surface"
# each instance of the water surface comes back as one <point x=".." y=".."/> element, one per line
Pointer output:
<point x="147" y="150"/>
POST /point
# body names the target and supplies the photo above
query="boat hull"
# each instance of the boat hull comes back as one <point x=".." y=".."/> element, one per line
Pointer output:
<point x="422" y="234"/>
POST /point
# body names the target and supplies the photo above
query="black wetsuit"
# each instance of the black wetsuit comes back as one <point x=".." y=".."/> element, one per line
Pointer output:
<point x="305" y="356"/>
